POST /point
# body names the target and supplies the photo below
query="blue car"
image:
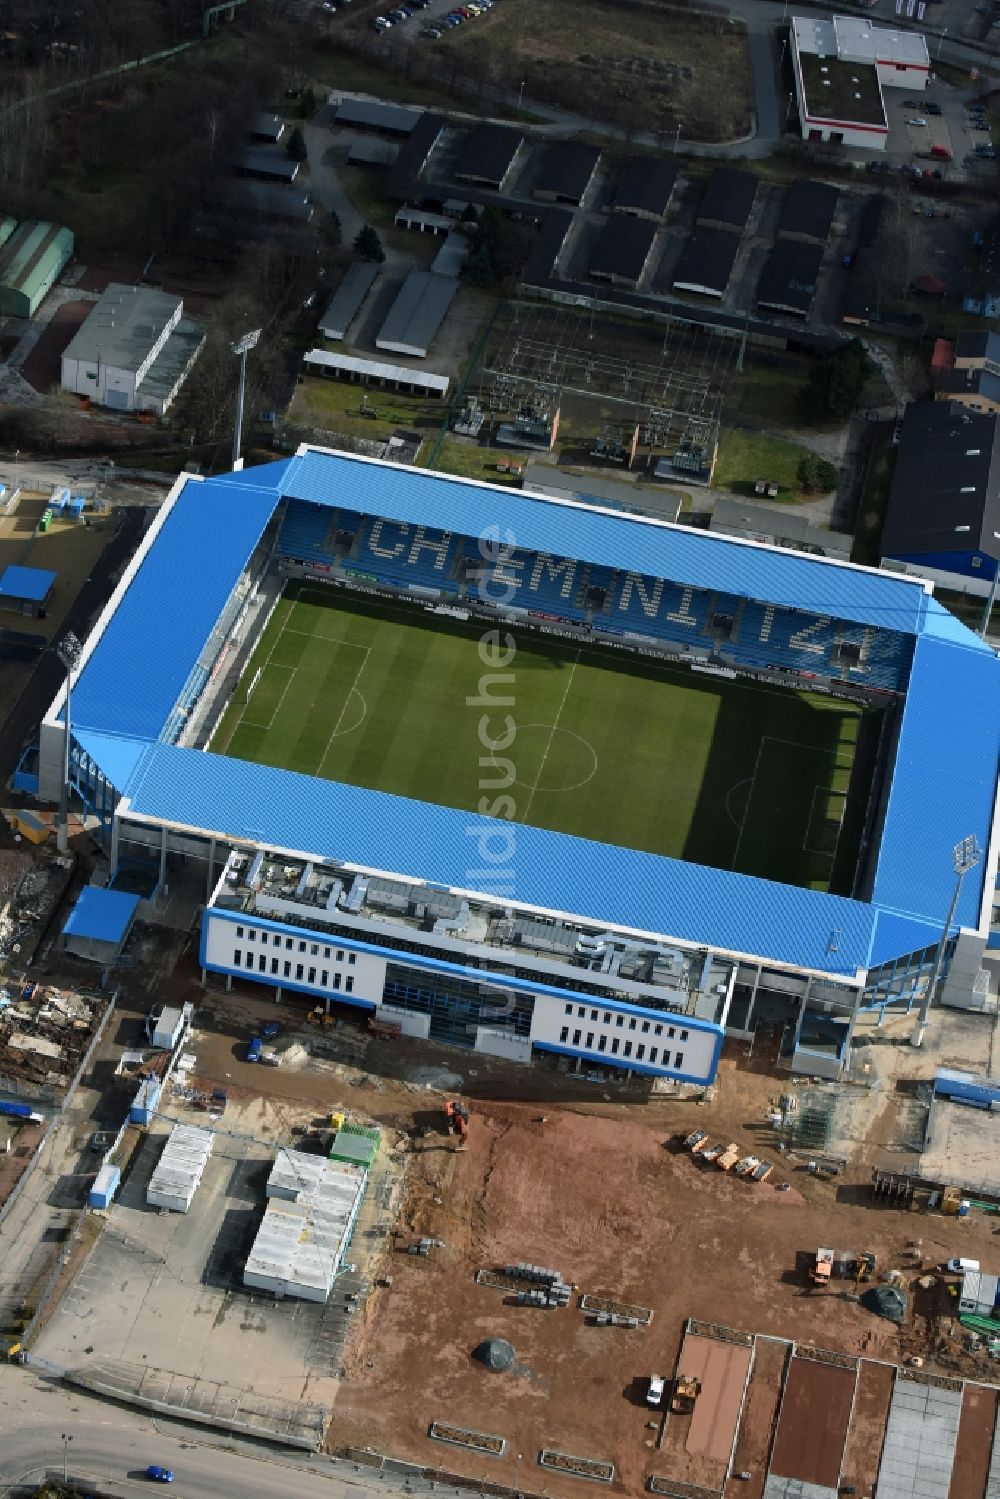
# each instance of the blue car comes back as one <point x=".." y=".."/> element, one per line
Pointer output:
<point x="253" y="1050"/>
<point x="158" y="1474"/>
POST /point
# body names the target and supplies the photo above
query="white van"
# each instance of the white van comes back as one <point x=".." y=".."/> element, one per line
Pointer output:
<point x="963" y="1267"/>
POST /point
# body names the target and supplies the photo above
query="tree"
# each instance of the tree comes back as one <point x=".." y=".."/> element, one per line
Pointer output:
<point x="307" y="104"/>
<point x="499" y="250"/>
<point x="368" y="245"/>
<point x="296" y="147"/>
<point x="835" y="383"/>
<point x="816" y="474"/>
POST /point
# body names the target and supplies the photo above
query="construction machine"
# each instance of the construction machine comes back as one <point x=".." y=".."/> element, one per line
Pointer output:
<point x="865" y="1270"/>
<point x="820" y="1272"/>
<point x="457" y="1120"/>
<point x="687" y="1388"/>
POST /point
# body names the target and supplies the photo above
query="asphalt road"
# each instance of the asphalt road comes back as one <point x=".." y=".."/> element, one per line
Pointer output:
<point x="113" y="1446"/>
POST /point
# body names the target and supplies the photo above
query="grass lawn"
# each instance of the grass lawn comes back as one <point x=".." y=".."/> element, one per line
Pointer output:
<point x="640" y="67"/>
<point x="336" y="406"/>
<point x="733" y="774"/>
<point x="768" y="393"/>
<point x="745" y="457"/>
<point x="467" y="458"/>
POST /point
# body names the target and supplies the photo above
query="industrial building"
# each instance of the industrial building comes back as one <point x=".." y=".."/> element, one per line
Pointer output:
<point x="969" y="373"/>
<point x="808" y="211"/>
<point x="414" y="154"/>
<point x="728" y="200"/>
<point x="568" y="169"/>
<point x="624" y="251"/>
<point x="375" y="373"/>
<point x="307" y="1226"/>
<point x="789" y="278"/>
<point x="377" y="895"/>
<point x="266" y="200"/>
<point x="382" y="119"/>
<point x="268" y="166"/>
<point x="706" y="262"/>
<point x="134" y="351"/>
<point x="489" y="156"/>
<point x="180" y="1168"/>
<point x="645" y="188"/>
<point x="26" y="590"/>
<point x="415" y="316"/>
<point x="544" y="258"/>
<point x="267" y="127"/>
<point x="841" y="66"/>
<point x="943" y="514"/>
<point x="98" y="926"/>
<point x="348" y="300"/>
<point x="781" y="526"/>
<point x="32" y="258"/>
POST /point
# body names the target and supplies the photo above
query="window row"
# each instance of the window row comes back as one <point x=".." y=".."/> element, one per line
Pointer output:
<point x="283" y="970"/>
<point x="634" y="1023"/>
<point x="253" y="934"/>
<point x="617" y="1048"/>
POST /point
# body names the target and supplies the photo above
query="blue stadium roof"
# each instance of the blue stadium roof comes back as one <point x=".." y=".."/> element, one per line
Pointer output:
<point x="943" y="782"/>
<point x="152" y="642"/>
<point x="32" y="584"/>
<point x="101" y="915"/>
<point x="596" y="881"/>
<point x="676" y="553"/>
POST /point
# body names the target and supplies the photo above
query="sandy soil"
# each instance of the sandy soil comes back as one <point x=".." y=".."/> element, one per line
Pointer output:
<point x="975" y="1439"/>
<point x="863" y="1449"/>
<point x="815" y="1411"/>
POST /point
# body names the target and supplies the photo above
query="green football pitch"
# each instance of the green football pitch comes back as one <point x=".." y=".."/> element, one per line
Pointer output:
<point x="732" y="773"/>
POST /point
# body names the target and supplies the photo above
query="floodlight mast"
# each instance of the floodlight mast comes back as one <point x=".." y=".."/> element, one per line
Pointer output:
<point x="965" y="856"/>
<point x="241" y="348"/>
<point x="69" y="650"/>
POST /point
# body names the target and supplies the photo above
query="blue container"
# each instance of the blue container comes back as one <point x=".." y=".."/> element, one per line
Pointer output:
<point x="963" y="1210"/>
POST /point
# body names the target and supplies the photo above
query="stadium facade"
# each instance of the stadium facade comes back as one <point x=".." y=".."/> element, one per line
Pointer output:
<point x="511" y="939"/>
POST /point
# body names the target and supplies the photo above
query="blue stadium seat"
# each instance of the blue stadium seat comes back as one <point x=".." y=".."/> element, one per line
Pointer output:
<point x="306" y="532"/>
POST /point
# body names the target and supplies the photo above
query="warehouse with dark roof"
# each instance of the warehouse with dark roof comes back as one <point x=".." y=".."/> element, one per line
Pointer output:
<point x="489" y="156"/>
<point x="623" y="251"/>
<point x="706" y="262"/>
<point x="550" y="244"/>
<point x="645" y="189"/>
<point x="808" y="211"/>
<point x="788" y="280"/>
<point x="729" y="199"/>
<point x="567" y="172"/>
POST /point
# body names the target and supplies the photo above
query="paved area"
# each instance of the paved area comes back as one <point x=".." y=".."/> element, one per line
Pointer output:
<point x="919" y="1442"/>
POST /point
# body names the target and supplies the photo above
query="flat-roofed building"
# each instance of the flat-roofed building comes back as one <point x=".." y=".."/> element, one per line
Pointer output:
<point x="348" y="300"/>
<point x="383" y="119"/>
<point x="840" y="67"/>
<point x="808" y="211"/>
<point x="728" y="200"/>
<point x="269" y="166"/>
<point x="374" y="373"/>
<point x="134" y="350"/>
<point x="646" y="188"/>
<point x="789" y="278"/>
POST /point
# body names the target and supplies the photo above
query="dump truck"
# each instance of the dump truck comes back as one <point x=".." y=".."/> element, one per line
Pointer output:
<point x="821" y="1271"/>
<point x="687" y="1388"/>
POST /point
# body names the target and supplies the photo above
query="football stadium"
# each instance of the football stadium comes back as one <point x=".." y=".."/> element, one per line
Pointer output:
<point x="535" y="776"/>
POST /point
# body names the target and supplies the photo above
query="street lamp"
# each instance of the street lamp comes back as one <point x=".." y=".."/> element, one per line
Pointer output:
<point x="965" y="856"/>
<point x="241" y="349"/>
<point x="66" y="1441"/>
<point x="69" y="650"/>
<point x="17" y="454"/>
<point x="520" y="96"/>
<point x="991" y="596"/>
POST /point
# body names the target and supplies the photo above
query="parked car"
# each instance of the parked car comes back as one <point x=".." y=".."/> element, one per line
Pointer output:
<point x="432" y="32"/>
<point x="657" y="1386"/>
<point x="932" y="109"/>
<point x="917" y="120"/>
<point x="911" y="103"/>
<point x="254" y="1049"/>
<point x="158" y="1474"/>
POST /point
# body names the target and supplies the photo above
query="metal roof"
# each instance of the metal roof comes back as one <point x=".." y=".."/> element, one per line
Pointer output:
<point x="938" y="796"/>
<point x="30" y="584"/>
<point x="26" y="256"/>
<point x="623" y="247"/>
<point x="347" y="299"/>
<point x="632" y="543"/>
<point x="729" y="198"/>
<point x="101" y="915"/>
<point x="264" y="163"/>
<point x="417" y="313"/>
<point x="788" y="280"/>
<point x="567" y="169"/>
<point x="552" y="871"/>
<point x="488" y="153"/>
<point x="945" y="491"/>
<point x="306" y="1227"/>
<point x="647" y="185"/>
<point x="809" y="209"/>
<point x="707" y="260"/>
<point x="123" y="327"/>
<point x="373" y="369"/>
<point x="369" y="114"/>
<point x="182" y="1163"/>
<point x="182" y="586"/>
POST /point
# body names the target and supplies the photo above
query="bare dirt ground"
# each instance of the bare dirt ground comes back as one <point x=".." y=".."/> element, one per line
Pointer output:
<point x="815" y="1411"/>
<point x="760" y="1412"/>
<point x="975" y="1439"/>
<point x="605" y="1202"/>
<point x="863" y="1448"/>
<point x="43" y="366"/>
<point x="696" y="1448"/>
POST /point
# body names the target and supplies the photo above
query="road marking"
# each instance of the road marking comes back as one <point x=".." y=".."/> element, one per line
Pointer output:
<point x="552" y="735"/>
